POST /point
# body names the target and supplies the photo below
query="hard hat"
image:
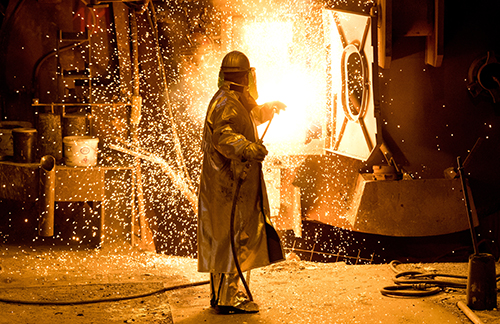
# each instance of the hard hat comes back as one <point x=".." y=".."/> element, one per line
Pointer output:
<point x="235" y="62"/>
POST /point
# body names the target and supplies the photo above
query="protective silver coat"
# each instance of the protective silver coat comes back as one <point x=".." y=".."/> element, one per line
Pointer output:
<point x="229" y="128"/>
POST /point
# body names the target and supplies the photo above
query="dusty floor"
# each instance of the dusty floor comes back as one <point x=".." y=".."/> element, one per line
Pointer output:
<point x="293" y="291"/>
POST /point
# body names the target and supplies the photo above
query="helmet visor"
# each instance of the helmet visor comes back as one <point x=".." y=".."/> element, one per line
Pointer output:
<point x="252" y="83"/>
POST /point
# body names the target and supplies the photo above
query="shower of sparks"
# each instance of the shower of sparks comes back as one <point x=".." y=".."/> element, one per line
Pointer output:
<point x="179" y="58"/>
<point x="284" y="42"/>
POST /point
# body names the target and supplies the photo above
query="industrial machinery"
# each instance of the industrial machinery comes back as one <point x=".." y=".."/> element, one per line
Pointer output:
<point x="382" y="97"/>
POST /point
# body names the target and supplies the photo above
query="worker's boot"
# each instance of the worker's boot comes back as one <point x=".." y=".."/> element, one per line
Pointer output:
<point x="245" y="307"/>
<point x="225" y="297"/>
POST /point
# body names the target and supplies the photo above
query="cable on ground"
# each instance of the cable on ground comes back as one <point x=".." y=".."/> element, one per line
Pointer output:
<point x="101" y="300"/>
<point x="418" y="284"/>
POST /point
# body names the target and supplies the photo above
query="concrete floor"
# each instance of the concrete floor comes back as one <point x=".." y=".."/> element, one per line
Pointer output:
<point x="293" y="291"/>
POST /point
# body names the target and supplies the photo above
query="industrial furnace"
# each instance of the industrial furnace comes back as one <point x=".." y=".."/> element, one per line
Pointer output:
<point x="382" y="97"/>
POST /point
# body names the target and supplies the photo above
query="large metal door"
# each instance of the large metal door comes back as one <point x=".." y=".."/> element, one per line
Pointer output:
<point x="350" y="56"/>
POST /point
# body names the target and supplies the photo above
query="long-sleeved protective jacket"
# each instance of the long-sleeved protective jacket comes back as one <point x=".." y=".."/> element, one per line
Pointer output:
<point x="229" y="128"/>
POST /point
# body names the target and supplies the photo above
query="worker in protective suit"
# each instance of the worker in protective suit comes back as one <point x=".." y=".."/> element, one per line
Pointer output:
<point x="230" y="143"/>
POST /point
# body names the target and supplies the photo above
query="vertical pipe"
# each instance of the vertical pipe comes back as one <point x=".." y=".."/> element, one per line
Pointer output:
<point x="133" y="212"/>
<point x="467" y="205"/>
<point x="48" y="193"/>
<point x="146" y="235"/>
<point x="481" y="281"/>
<point x="135" y="114"/>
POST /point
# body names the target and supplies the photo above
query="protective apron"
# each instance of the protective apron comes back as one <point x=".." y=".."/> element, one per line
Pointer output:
<point x="230" y="126"/>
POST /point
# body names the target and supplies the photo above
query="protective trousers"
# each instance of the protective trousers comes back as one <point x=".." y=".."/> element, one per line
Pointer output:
<point x="223" y="289"/>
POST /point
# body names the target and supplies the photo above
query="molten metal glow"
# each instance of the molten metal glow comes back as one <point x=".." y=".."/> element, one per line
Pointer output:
<point x="285" y="45"/>
<point x="285" y="73"/>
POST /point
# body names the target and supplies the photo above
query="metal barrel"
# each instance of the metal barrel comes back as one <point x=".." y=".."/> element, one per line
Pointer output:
<point x="481" y="282"/>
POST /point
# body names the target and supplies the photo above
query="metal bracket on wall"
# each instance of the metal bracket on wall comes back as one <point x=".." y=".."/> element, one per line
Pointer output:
<point x="434" y="48"/>
<point x="384" y="29"/>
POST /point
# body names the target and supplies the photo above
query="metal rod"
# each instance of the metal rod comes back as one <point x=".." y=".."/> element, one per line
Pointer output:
<point x="474" y="148"/>
<point x="338" y="255"/>
<point x="469" y="313"/>
<point x="147" y="241"/>
<point x="467" y="205"/>
<point x="265" y="130"/>
<point x="80" y="104"/>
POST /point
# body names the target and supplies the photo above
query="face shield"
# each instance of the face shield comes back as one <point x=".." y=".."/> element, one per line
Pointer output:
<point x="252" y="83"/>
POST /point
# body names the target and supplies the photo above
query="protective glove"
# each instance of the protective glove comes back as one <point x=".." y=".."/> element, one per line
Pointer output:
<point x="277" y="106"/>
<point x="255" y="151"/>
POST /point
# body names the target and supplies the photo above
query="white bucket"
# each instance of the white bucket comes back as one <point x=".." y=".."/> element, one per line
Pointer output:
<point x="80" y="150"/>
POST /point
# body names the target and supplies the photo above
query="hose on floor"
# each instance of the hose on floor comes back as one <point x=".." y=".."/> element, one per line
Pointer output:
<point x="101" y="300"/>
<point x="418" y="284"/>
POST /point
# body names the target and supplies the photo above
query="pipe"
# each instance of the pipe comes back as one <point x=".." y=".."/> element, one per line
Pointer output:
<point x="135" y="116"/>
<point x="469" y="313"/>
<point x="48" y="194"/>
<point x="467" y="205"/>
